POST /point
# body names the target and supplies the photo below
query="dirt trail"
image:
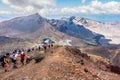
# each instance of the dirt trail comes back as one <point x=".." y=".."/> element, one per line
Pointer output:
<point x="61" y="63"/>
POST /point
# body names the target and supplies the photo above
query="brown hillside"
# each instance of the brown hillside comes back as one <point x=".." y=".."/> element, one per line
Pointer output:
<point x="63" y="63"/>
<point x="97" y="50"/>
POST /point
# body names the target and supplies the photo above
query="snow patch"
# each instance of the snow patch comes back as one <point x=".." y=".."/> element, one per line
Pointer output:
<point x="66" y="42"/>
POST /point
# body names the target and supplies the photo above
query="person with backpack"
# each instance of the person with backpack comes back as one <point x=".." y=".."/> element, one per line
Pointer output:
<point x="28" y="50"/>
<point x="22" y="57"/>
<point x="14" y="59"/>
<point x="5" y="60"/>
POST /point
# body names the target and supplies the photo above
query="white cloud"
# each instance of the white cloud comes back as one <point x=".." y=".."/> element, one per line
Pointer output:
<point x="34" y="3"/>
<point x="95" y="7"/>
<point x="29" y="6"/>
<point x="5" y="1"/>
<point x="4" y="12"/>
<point x="49" y="7"/>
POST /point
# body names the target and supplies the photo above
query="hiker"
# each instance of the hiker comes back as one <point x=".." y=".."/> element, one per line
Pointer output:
<point x="32" y="48"/>
<point x="51" y="45"/>
<point x="19" y="51"/>
<point x="39" y="47"/>
<point x="14" y="59"/>
<point x="5" y="60"/>
<point x="28" y="50"/>
<point x="15" y="51"/>
<point x="45" y="46"/>
<point x="22" y="57"/>
<point x="22" y="49"/>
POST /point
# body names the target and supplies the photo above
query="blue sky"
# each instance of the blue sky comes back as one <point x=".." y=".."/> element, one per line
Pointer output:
<point x="99" y="10"/>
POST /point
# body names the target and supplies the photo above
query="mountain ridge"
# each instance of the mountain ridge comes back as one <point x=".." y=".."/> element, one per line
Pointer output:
<point x="62" y="63"/>
<point x="35" y="26"/>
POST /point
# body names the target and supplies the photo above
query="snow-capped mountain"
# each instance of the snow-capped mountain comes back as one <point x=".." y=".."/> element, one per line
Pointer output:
<point x="67" y="26"/>
<point x="35" y="27"/>
<point x="109" y="30"/>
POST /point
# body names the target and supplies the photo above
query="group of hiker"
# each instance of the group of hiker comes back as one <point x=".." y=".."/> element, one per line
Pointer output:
<point x="43" y="47"/>
<point x="19" y="54"/>
<point x="12" y="57"/>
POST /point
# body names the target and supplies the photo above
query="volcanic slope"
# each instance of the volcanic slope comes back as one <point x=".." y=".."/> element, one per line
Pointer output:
<point x="61" y="63"/>
<point x="35" y="27"/>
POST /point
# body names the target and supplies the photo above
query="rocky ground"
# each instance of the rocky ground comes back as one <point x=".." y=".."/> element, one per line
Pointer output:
<point x="61" y="63"/>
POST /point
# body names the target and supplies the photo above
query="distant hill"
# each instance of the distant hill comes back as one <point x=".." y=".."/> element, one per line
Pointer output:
<point x="110" y="30"/>
<point x="111" y="52"/>
<point x="98" y="50"/>
<point x="8" y="44"/>
<point x="5" y="40"/>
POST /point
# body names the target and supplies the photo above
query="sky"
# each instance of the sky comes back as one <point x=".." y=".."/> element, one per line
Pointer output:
<point x="99" y="10"/>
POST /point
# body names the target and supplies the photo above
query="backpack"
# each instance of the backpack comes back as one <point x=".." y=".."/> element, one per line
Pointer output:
<point x="2" y="58"/>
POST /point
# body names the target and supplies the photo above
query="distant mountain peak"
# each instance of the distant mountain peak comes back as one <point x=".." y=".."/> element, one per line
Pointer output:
<point x="35" y="15"/>
<point x="72" y="17"/>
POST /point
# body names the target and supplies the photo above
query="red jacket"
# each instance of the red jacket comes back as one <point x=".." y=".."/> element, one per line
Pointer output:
<point x="22" y="56"/>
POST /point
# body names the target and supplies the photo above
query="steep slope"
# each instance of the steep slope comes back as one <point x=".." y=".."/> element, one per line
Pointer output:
<point x="22" y="26"/>
<point x="7" y="44"/>
<point x="64" y="63"/>
<point x="36" y="27"/>
<point x="111" y="53"/>
<point x="67" y="26"/>
<point x="72" y="29"/>
<point x="5" y="40"/>
<point x="115" y="58"/>
<point x="97" y="50"/>
<point x="109" y="30"/>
